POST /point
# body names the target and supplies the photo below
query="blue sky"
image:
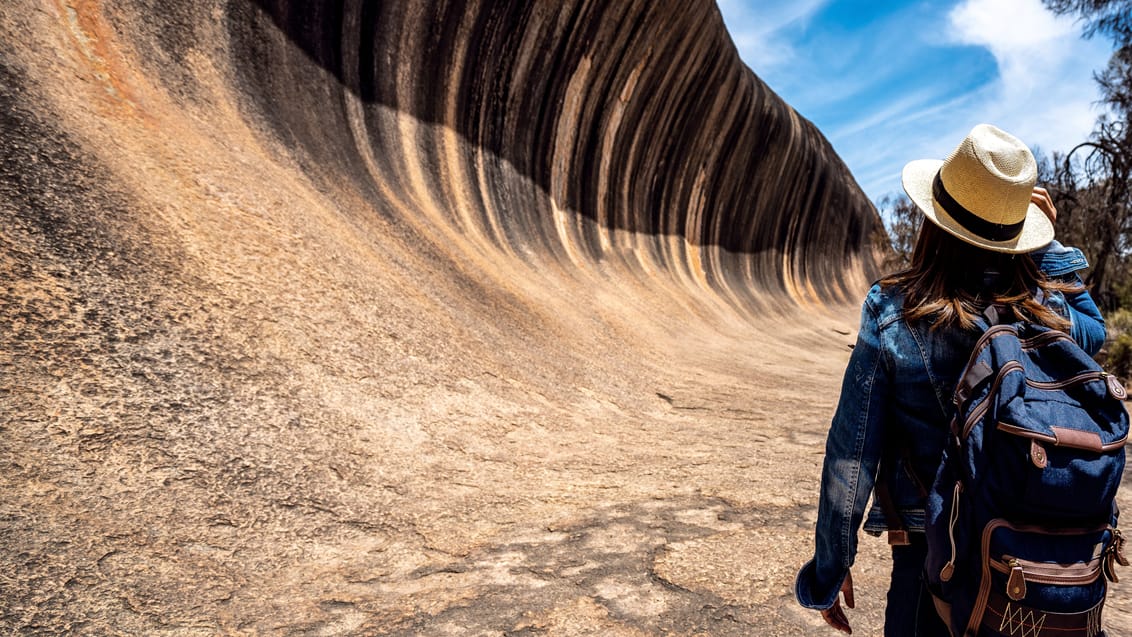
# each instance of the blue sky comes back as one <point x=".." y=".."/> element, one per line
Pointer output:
<point x="889" y="82"/>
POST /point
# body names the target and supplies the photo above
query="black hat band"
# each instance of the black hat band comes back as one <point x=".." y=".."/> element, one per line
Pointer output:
<point x="969" y="220"/>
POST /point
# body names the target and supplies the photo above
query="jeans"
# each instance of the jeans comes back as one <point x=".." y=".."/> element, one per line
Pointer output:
<point x="910" y="611"/>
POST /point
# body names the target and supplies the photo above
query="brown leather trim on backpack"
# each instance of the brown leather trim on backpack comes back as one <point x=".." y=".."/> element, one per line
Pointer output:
<point x="980" y="606"/>
<point x="980" y="410"/>
<point x="972" y="377"/>
<point x="1065" y="437"/>
<point x="1002" y="329"/>
<point x="980" y="345"/>
<point x="1075" y="574"/>
<point x="1083" y="377"/>
<point x="985" y="593"/>
<point x="1008" y="617"/>
<point x="1038" y="454"/>
<point x="1115" y="388"/>
<point x="1044" y="338"/>
<point x="1087" y="440"/>
<point x="1114" y="555"/>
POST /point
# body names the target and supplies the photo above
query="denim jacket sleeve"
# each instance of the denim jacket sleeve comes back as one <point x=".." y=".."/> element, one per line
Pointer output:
<point x="1061" y="262"/>
<point x="852" y="453"/>
<point x="1087" y="323"/>
<point x="1057" y="260"/>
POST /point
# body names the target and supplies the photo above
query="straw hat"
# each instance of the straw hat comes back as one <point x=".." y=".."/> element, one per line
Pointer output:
<point x="981" y="192"/>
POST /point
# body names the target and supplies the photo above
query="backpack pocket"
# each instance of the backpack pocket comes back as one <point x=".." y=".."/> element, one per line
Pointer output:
<point x="1053" y="468"/>
<point x="1034" y="577"/>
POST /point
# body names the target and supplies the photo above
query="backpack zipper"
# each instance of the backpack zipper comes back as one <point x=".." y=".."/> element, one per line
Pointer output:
<point x="1026" y="343"/>
<point x="983" y="342"/>
<point x="1043" y="339"/>
<point x="1046" y="573"/>
<point x="981" y="408"/>
<point x="948" y="569"/>
<point x="1083" y="377"/>
<point x="1114" y="387"/>
<point x="1016" y="583"/>
<point x="981" y="597"/>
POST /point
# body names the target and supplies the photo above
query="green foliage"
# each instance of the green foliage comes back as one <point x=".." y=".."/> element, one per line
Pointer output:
<point x="1092" y="183"/>
<point x="1111" y="18"/>
<point x="1118" y="347"/>
<point x="1119" y="322"/>
<point x="902" y="221"/>
<point x="1124" y="288"/>
<point x="1119" y="361"/>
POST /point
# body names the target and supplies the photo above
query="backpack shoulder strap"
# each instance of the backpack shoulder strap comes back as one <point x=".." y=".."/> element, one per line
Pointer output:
<point x="994" y="314"/>
<point x="897" y="532"/>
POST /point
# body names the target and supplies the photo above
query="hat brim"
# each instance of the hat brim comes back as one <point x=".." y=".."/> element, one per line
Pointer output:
<point x="917" y="177"/>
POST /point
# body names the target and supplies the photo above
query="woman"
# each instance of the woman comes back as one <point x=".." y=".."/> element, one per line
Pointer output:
<point x="917" y="329"/>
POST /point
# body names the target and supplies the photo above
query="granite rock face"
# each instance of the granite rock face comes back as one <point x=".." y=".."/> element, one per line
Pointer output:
<point x="579" y="128"/>
<point x="412" y="318"/>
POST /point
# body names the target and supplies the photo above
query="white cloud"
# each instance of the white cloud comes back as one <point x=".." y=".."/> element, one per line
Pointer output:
<point x="1008" y="24"/>
<point x="759" y="28"/>
<point x="1045" y="92"/>
<point x="904" y="84"/>
<point x="1026" y="40"/>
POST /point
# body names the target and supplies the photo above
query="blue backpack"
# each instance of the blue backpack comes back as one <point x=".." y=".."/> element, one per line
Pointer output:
<point x="1021" y="517"/>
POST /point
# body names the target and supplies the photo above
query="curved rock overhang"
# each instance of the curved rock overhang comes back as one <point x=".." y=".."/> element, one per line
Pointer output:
<point x="387" y="317"/>
<point x="629" y="124"/>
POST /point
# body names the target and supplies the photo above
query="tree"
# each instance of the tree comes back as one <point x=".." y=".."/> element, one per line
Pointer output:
<point x="902" y="221"/>
<point x="1111" y="19"/>
<point x="1095" y="177"/>
<point x="1077" y="204"/>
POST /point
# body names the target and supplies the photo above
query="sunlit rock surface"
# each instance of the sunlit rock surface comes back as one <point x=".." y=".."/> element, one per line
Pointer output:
<point x="411" y="318"/>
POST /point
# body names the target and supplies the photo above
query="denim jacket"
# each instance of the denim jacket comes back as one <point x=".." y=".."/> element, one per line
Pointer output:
<point x="895" y="403"/>
<point x="1061" y="262"/>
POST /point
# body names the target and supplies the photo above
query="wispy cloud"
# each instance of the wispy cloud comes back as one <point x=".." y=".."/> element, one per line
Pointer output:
<point x="916" y="106"/>
<point x="763" y="31"/>
<point x="1044" y="92"/>
<point x="908" y="79"/>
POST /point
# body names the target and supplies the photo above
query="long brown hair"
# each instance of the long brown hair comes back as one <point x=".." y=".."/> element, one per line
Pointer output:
<point x="950" y="282"/>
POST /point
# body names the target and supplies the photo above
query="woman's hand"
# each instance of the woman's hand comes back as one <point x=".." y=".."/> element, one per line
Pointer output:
<point x="1041" y="199"/>
<point x="834" y="615"/>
